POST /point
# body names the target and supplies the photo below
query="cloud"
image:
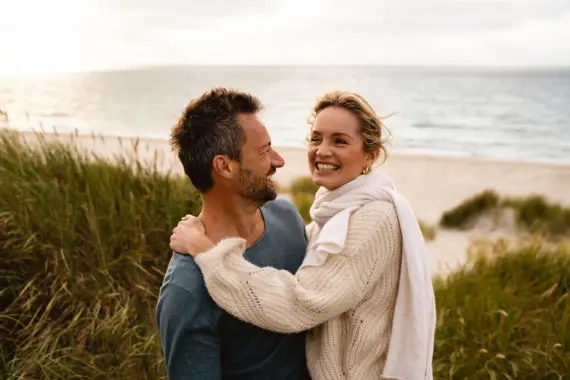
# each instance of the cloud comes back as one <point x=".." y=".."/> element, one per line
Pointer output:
<point x="382" y="32"/>
<point x="119" y="33"/>
<point x="409" y="17"/>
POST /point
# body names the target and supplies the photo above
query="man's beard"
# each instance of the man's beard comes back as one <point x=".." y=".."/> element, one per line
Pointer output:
<point x="255" y="187"/>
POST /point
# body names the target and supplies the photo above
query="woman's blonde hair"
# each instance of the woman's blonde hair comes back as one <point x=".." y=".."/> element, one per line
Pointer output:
<point x="373" y="131"/>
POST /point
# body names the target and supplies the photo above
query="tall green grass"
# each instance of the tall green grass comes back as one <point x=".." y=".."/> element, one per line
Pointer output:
<point x="83" y="245"/>
<point x="506" y="316"/>
<point x="303" y="190"/>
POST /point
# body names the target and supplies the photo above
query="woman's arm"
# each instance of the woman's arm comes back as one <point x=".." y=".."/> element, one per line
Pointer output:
<point x="279" y="301"/>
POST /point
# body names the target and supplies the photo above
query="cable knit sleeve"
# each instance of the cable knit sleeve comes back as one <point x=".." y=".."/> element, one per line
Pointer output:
<point x="279" y="301"/>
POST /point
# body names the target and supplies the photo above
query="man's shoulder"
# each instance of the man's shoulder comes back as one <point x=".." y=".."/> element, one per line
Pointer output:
<point x="183" y="273"/>
<point x="282" y="207"/>
<point x="184" y="291"/>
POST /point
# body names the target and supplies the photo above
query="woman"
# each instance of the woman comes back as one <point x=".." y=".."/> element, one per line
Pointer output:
<point x="364" y="289"/>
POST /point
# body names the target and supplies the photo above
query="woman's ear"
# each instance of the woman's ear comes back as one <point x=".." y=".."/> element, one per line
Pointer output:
<point x="372" y="158"/>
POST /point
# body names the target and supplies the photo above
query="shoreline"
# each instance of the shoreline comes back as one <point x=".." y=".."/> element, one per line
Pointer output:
<point x="401" y="153"/>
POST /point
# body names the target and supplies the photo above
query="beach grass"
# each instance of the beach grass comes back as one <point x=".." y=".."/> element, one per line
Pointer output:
<point x="465" y="213"/>
<point x="534" y="214"/>
<point x="84" y="246"/>
<point x="539" y="215"/>
<point x="506" y="315"/>
<point x="303" y="190"/>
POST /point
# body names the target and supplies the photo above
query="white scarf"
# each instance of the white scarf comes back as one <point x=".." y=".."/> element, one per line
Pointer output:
<point x="410" y="351"/>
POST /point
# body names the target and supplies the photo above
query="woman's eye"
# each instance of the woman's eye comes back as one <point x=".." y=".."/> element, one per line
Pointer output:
<point x="340" y="141"/>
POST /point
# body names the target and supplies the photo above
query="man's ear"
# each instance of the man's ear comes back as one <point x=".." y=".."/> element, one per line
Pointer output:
<point x="222" y="165"/>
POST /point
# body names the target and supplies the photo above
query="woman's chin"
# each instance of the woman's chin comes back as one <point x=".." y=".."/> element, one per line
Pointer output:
<point x="327" y="183"/>
<point x="318" y="180"/>
<point x="331" y="180"/>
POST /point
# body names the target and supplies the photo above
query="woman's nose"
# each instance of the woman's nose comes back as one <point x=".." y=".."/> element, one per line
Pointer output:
<point x="323" y="150"/>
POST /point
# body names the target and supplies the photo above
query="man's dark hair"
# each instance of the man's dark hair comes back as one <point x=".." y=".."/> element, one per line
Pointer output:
<point x="208" y="127"/>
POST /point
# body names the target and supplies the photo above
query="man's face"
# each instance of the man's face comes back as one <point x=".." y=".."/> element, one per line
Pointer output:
<point x="259" y="161"/>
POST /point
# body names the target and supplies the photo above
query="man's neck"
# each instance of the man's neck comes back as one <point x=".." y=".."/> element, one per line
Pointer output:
<point x="231" y="216"/>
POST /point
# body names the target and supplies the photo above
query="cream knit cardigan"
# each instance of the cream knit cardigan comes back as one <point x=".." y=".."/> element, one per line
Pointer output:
<point x="347" y="303"/>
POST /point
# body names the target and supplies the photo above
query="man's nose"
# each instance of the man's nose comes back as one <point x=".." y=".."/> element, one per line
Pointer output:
<point x="276" y="160"/>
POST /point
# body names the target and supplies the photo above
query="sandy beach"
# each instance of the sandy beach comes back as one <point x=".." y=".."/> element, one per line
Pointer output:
<point x="432" y="184"/>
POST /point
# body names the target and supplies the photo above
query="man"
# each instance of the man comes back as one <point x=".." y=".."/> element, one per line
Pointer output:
<point x="227" y="154"/>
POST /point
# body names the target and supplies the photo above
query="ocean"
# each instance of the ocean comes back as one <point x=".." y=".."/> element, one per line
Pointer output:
<point x="496" y="113"/>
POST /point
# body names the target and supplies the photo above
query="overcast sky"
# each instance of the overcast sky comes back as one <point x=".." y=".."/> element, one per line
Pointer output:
<point x="62" y="35"/>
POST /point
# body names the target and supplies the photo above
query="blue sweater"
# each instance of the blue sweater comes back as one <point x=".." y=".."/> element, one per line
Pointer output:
<point x="203" y="342"/>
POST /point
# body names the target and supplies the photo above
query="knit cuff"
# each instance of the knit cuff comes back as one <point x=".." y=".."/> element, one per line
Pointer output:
<point x="223" y="248"/>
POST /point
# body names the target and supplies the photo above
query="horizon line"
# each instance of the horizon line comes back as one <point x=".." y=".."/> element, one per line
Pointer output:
<point x="438" y="67"/>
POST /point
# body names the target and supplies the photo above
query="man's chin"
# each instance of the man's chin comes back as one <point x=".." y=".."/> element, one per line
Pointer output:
<point x="261" y="199"/>
<point x="269" y="197"/>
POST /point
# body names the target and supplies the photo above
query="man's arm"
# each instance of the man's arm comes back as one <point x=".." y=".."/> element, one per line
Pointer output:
<point x="187" y="323"/>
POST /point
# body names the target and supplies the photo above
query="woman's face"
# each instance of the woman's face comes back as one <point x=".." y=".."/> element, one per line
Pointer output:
<point x="336" y="148"/>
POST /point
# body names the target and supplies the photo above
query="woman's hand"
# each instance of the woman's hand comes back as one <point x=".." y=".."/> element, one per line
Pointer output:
<point x="190" y="237"/>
